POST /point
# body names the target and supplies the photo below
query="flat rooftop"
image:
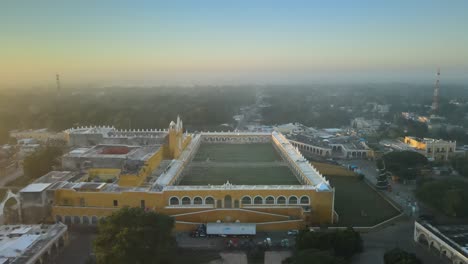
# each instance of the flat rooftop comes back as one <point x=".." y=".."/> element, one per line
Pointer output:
<point x="454" y="235"/>
<point x="18" y="243"/>
<point x="240" y="164"/>
<point x="115" y="151"/>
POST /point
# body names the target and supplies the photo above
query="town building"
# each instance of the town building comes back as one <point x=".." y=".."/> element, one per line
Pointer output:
<point x="331" y="142"/>
<point x="178" y="175"/>
<point x="36" y="244"/>
<point x="42" y="135"/>
<point x="449" y="242"/>
<point x="433" y="149"/>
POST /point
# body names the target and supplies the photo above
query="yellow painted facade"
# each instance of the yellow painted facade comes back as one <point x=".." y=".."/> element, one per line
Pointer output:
<point x="81" y="203"/>
<point x="103" y="173"/>
<point x="138" y="178"/>
<point x="415" y="143"/>
<point x="276" y="208"/>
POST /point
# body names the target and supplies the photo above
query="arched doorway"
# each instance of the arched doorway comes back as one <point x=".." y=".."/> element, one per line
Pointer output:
<point x="422" y="239"/>
<point x="11" y="211"/>
<point x="227" y="201"/>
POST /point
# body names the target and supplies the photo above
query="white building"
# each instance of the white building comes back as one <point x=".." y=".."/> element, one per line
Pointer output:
<point x="38" y="244"/>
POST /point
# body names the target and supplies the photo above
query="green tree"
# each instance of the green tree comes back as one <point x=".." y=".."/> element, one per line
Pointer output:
<point x="398" y="256"/>
<point x="448" y="196"/>
<point x="347" y="242"/>
<point x="41" y="161"/>
<point x="133" y="235"/>
<point x="343" y="243"/>
<point x="314" y="256"/>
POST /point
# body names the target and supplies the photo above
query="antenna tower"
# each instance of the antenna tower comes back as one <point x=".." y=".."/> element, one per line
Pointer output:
<point x="435" y="101"/>
<point x="57" y="77"/>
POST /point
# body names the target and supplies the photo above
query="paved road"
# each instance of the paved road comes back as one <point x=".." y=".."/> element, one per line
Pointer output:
<point x="398" y="235"/>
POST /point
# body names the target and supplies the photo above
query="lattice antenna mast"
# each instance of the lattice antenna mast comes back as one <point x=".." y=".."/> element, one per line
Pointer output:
<point x="435" y="101"/>
<point x="57" y="77"/>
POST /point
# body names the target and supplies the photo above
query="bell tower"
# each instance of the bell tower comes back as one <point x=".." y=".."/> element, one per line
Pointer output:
<point x="175" y="138"/>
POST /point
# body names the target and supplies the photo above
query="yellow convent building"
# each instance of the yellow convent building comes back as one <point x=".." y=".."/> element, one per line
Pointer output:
<point x="205" y="177"/>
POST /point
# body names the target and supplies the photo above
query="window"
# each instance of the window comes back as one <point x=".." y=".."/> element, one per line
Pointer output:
<point x="293" y="200"/>
<point x="116" y="203"/>
<point x="174" y="201"/>
<point x="281" y="200"/>
<point x="246" y="200"/>
<point x="270" y="200"/>
<point x="197" y="200"/>
<point x="82" y="202"/>
<point x="304" y="200"/>
<point x="142" y="204"/>
<point x="186" y="201"/>
<point x="209" y="200"/>
<point x="258" y="200"/>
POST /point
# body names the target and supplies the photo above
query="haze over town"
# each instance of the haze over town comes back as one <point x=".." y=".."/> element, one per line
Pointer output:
<point x="209" y="132"/>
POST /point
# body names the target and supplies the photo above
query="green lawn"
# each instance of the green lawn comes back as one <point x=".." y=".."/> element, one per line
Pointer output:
<point x="237" y="153"/>
<point x="357" y="204"/>
<point x="240" y="176"/>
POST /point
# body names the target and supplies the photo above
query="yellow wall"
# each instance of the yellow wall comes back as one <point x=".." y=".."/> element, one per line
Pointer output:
<point x="415" y="143"/>
<point x="103" y="173"/>
<point x="150" y="165"/>
<point x="71" y="202"/>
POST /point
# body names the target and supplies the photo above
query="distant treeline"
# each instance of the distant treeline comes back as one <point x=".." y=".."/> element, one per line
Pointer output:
<point x="199" y="108"/>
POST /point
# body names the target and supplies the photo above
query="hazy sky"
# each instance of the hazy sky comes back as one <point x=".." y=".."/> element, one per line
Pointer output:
<point x="154" y="42"/>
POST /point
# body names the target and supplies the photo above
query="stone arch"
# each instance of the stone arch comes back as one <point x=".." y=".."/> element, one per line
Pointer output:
<point x="7" y="204"/>
<point x="227" y="201"/>
<point x="45" y="257"/>
<point x="305" y="199"/>
<point x="293" y="200"/>
<point x="76" y="219"/>
<point x="53" y="250"/>
<point x="246" y="200"/>
<point x="444" y="251"/>
<point x="197" y="200"/>
<point x="174" y="201"/>
<point x="85" y="220"/>
<point x="58" y="218"/>
<point x="209" y="200"/>
<point x="94" y="220"/>
<point x="258" y="200"/>
<point x="433" y="245"/>
<point x="422" y="238"/>
<point x="270" y="200"/>
<point x="281" y="200"/>
<point x="186" y="200"/>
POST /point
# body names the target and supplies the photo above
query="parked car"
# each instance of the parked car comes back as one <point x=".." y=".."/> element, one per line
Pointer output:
<point x="293" y="232"/>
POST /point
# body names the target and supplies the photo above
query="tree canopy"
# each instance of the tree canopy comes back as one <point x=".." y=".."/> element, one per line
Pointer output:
<point x="343" y="243"/>
<point x="448" y="196"/>
<point x="314" y="256"/>
<point x="398" y="256"/>
<point x="406" y="164"/>
<point x="41" y="161"/>
<point x="133" y="235"/>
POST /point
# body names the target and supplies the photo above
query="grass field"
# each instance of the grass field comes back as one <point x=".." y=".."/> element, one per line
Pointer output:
<point x="237" y="153"/>
<point x="240" y="176"/>
<point x="357" y="204"/>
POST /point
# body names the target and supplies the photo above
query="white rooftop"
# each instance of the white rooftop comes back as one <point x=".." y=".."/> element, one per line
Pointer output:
<point x="14" y="247"/>
<point x="35" y="187"/>
<point x="306" y="168"/>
